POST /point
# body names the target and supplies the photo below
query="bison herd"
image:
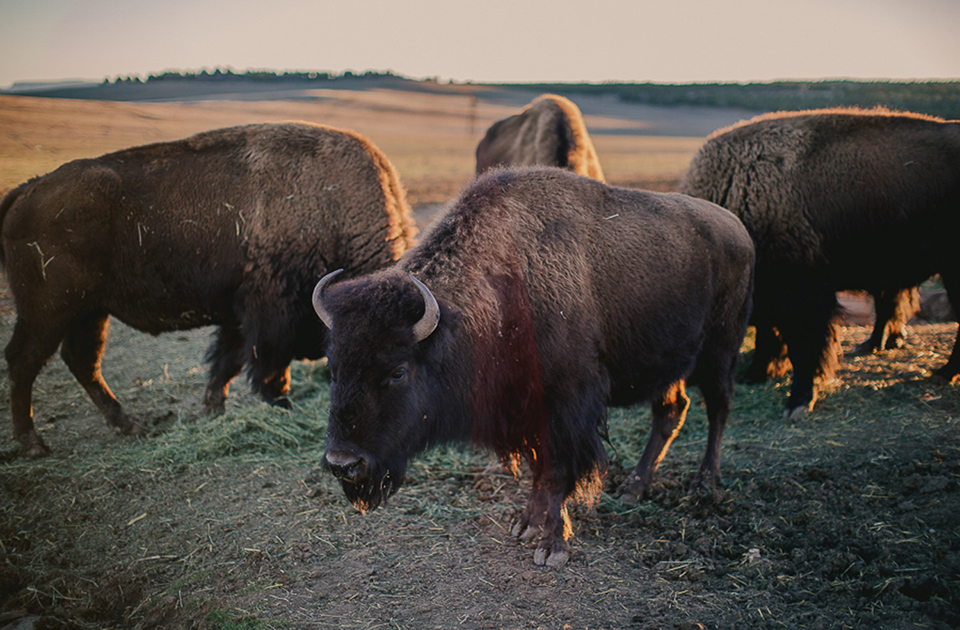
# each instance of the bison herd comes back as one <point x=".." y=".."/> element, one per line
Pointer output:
<point x="540" y="297"/>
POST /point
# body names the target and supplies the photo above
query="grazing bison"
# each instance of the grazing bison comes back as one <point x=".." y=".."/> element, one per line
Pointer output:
<point x="232" y="227"/>
<point x="834" y="199"/>
<point x="547" y="132"/>
<point x="537" y="299"/>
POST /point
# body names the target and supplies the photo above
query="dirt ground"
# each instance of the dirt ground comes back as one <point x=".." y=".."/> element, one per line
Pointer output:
<point x="845" y="519"/>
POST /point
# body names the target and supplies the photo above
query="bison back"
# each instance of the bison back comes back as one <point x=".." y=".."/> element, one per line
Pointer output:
<point x="197" y="231"/>
<point x="845" y="189"/>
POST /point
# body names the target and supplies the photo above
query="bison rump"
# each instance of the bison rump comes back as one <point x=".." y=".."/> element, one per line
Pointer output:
<point x="548" y="132"/>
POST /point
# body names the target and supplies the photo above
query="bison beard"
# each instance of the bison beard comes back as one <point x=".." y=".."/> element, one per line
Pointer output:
<point x="519" y="316"/>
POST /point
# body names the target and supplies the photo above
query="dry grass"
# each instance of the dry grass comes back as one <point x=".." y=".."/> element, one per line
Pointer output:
<point x="430" y="138"/>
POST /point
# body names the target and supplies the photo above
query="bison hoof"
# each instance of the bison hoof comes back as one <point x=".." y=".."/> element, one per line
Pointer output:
<point x="704" y="484"/>
<point x="213" y="405"/>
<point x="554" y="558"/>
<point x="130" y="425"/>
<point x="33" y="446"/>
<point x="524" y="531"/>
<point x="894" y="343"/>
<point x="865" y="349"/>
<point x="283" y="402"/>
<point x="795" y="414"/>
<point x="941" y="378"/>
<point x="634" y="489"/>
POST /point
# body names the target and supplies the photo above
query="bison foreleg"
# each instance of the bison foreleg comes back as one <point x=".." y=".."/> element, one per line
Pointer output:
<point x="546" y="515"/>
<point x="82" y="350"/>
<point x="669" y="413"/>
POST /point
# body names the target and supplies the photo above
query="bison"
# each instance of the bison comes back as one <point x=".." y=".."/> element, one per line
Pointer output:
<point x="834" y="199"/>
<point x="232" y="227"/>
<point x="536" y="300"/>
<point x="547" y="132"/>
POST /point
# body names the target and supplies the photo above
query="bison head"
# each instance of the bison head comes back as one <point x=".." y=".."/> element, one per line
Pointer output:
<point x="379" y="402"/>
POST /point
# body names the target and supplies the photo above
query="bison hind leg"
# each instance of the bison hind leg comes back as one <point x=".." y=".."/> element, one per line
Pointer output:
<point x="28" y="351"/>
<point x="669" y="413"/>
<point x="893" y="309"/>
<point x="225" y="358"/>
<point x="82" y="351"/>
<point x="770" y="359"/>
<point x="273" y="386"/>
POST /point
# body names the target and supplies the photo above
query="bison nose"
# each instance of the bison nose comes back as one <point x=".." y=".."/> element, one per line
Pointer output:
<point x="344" y="466"/>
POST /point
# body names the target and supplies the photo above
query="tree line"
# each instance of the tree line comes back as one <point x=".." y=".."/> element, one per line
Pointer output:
<point x="937" y="98"/>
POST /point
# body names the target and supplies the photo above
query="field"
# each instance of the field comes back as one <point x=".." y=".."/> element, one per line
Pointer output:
<point x="845" y="519"/>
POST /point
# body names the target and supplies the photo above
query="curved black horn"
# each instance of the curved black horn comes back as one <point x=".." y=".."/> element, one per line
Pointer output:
<point x="322" y="312"/>
<point x="431" y="313"/>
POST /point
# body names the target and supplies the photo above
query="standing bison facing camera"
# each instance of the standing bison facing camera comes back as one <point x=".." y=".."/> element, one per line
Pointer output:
<point x="835" y="199"/>
<point x="231" y="227"/>
<point x="539" y="298"/>
<point x="548" y="132"/>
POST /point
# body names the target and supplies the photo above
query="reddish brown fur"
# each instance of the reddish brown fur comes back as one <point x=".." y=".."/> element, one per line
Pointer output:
<point x="557" y="296"/>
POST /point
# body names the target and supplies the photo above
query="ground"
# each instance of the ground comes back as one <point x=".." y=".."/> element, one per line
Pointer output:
<point x="847" y="518"/>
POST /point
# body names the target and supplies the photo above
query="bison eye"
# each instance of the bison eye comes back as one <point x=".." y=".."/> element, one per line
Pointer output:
<point x="398" y="375"/>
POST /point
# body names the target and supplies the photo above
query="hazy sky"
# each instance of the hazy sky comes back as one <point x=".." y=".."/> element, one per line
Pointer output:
<point x="486" y="40"/>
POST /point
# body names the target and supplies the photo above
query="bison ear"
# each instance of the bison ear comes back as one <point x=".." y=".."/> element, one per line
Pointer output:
<point x="322" y="312"/>
<point x="431" y="313"/>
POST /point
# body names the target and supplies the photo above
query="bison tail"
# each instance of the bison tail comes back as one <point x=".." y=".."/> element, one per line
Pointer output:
<point x="5" y="205"/>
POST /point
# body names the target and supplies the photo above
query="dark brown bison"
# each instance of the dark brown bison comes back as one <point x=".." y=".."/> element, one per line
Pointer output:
<point x="548" y="132"/>
<point x="539" y="298"/>
<point x="232" y="227"/>
<point x="834" y="199"/>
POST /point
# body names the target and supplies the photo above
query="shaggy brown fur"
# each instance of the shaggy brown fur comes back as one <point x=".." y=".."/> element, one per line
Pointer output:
<point x="834" y="199"/>
<point x="231" y="227"/>
<point x="548" y="132"/>
<point x="557" y="295"/>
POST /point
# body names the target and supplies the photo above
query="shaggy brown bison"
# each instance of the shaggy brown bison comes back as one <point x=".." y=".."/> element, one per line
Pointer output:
<point x="539" y="298"/>
<point x="548" y="132"/>
<point x="231" y="227"/>
<point x="834" y="199"/>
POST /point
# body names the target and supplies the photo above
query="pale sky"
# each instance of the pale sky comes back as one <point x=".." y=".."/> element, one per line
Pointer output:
<point x="674" y="41"/>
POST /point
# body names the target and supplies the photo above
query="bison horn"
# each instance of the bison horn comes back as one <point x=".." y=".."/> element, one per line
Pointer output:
<point x="322" y="312"/>
<point x="431" y="313"/>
